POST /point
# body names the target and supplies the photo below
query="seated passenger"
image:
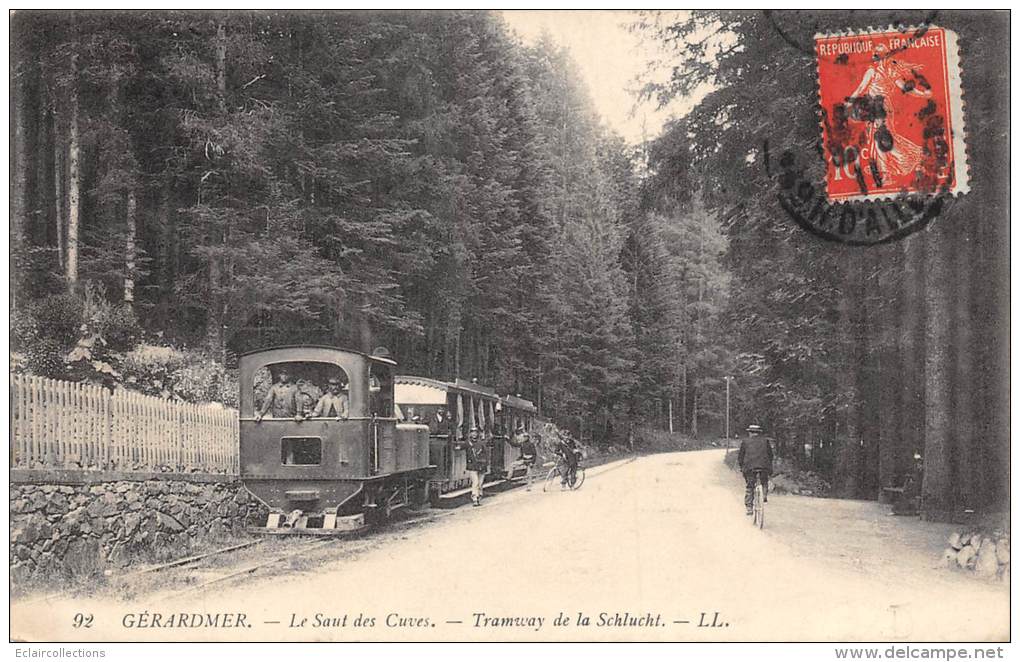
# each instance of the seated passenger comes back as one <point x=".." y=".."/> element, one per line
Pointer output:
<point x="282" y="399"/>
<point x="333" y="403"/>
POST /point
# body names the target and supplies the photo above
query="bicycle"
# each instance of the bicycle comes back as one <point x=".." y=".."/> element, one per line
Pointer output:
<point x="758" y="505"/>
<point x="557" y="471"/>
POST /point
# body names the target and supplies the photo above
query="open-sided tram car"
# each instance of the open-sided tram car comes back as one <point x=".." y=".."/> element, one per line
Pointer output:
<point x="451" y="410"/>
<point x="321" y="472"/>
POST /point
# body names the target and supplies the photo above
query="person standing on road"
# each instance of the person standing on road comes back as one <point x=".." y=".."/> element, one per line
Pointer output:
<point x="529" y="453"/>
<point x="755" y="455"/>
<point x="477" y="464"/>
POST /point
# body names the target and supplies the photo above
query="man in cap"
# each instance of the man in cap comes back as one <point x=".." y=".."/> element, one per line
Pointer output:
<point x="755" y="455"/>
<point x="477" y="464"/>
<point x="282" y="399"/>
<point x="333" y="403"/>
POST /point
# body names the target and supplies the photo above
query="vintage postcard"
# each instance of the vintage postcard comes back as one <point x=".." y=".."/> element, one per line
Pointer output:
<point x="510" y="326"/>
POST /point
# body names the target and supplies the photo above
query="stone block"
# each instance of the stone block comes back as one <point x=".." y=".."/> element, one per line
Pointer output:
<point x="987" y="563"/>
<point x="1002" y="550"/>
<point x="168" y="522"/>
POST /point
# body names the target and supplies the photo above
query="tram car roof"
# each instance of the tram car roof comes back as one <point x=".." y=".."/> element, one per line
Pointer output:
<point x="297" y="350"/>
<point x="520" y="403"/>
<point x="415" y="390"/>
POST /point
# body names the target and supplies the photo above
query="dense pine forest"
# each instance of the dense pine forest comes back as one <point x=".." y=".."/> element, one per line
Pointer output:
<point x="188" y="186"/>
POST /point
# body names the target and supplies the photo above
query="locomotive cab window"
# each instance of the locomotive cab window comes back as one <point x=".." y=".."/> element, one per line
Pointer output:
<point x="301" y="451"/>
<point x="301" y="389"/>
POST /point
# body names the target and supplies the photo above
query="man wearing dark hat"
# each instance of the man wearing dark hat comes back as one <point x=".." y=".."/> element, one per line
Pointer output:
<point x="569" y="457"/>
<point x="333" y="403"/>
<point x="755" y="455"/>
<point x="282" y="399"/>
<point x="477" y="464"/>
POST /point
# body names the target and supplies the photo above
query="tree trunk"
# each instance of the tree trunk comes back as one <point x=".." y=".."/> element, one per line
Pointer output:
<point x="129" y="265"/>
<point x="365" y="336"/>
<point x="963" y="344"/>
<point x="165" y="223"/>
<point x="869" y="357"/>
<point x="936" y="493"/>
<point x="214" y="330"/>
<point x="683" y="397"/>
<point x="221" y="66"/>
<point x="846" y="381"/>
<point x="694" y="415"/>
<point x="41" y="154"/>
<point x="73" y="181"/>
<point x="911" y="348"/>
<point x="889" y="414"/>
<point x="58" y="186"/>
<point x="19" y="181"/>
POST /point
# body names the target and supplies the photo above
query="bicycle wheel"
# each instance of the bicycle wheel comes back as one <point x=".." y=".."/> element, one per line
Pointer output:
<point x="578" y="478"/>
<point x="759" y="506"/>
<point x="549" y="478"/>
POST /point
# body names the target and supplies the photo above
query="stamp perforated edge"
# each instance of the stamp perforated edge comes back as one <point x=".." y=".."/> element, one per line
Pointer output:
<point x="957" y="104"/>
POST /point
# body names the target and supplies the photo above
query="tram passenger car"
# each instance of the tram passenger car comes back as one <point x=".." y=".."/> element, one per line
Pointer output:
<point x="328" y="472"/>
<point x="451" y="410"/>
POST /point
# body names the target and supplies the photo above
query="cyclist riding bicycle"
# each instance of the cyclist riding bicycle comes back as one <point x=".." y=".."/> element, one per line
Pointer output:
<point x="755" y="455"/>
<point x="569" y="455"/>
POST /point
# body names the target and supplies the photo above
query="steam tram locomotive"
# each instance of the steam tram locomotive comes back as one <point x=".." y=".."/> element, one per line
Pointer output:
<point x="327" y="472"/>
<point x="451" y="410"/>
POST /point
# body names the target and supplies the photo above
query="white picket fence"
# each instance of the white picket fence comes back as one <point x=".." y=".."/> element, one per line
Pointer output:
<point x="67" y="425"/>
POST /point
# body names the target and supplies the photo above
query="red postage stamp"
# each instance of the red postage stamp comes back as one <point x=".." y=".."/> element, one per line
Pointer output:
<point x="892" y="114"/>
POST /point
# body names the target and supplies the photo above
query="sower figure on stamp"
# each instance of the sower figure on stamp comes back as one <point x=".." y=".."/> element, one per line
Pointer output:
<point x="893" y="154"/>
<point x="477" y="464"/>
<point x="281" y="400"/>
<point x="755" y="455"/>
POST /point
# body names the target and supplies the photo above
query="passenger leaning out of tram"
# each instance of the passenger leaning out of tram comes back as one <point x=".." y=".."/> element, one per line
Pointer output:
<point x="333" y="403"/>
<point x="282" y="400"/>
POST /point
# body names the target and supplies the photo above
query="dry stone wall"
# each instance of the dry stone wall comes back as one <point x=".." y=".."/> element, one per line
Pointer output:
<point x="983" y="553"/>
<point x="76" y="529"/>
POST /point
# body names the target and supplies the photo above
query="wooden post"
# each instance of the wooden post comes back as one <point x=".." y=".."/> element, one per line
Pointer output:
<point x="183" y="423"/>
<point x="181" y="433"/>
<point x="68" y="440"/>
<point x="88" y="424"/>
<point x="107" y="431"/>
<point x="17" y="412"/>
<point x="51" y="413"/>
<point x="235" y="441"/>
<point x="38" y="422"/>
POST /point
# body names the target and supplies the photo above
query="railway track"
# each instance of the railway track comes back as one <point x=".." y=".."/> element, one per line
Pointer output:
<point x="356" y="542"/>
<point x="353" y="543"/>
